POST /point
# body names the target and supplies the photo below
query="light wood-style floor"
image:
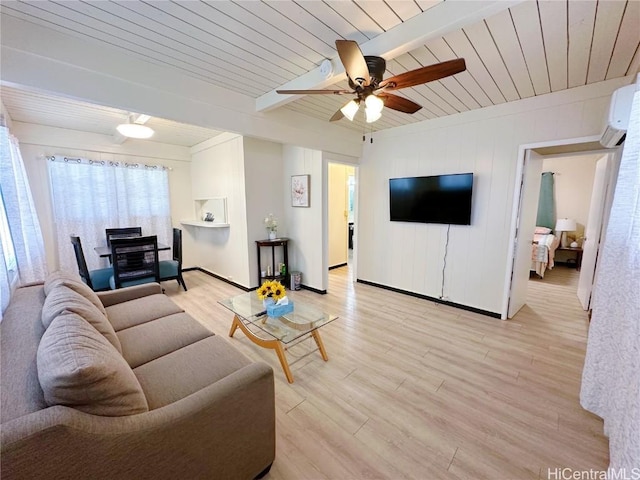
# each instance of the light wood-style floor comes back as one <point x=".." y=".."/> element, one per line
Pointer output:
<point x="413" y="389"/>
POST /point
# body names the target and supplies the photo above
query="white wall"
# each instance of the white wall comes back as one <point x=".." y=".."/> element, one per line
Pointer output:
<point x="38" y="141"/>
<point x="217" y="170"/>
<point x="265" y="191"/>
<point x="410" y="256"/>
<point x="573" y="182"/>
<point x="305" y="226"/>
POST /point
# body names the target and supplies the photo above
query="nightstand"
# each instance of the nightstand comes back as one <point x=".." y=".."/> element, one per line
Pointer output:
<point x="578" y="252"/>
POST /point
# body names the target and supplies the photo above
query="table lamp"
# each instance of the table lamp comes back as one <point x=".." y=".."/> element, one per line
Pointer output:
<point x="565" y="225"/>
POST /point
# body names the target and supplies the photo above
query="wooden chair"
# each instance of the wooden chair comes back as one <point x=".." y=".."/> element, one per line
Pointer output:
<point x="97" y="280"/>
<point x="172" y="269"/>
<point x="135" y="261"/>
<point x="122" y="233"/>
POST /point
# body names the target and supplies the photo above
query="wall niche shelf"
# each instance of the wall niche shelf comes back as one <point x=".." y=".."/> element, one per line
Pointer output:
<point x="199" y="223"/>
<point x="216" y="206"/>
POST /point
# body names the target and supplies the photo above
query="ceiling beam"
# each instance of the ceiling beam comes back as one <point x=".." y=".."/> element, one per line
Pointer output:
<point x="42" y="59"/>
<point x="418" y="30"/>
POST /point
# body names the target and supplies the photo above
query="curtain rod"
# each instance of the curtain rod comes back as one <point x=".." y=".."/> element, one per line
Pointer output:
<point x="109" y="163"/>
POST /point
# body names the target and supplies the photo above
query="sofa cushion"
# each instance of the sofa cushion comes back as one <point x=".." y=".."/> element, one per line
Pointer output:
<point x="61" y="298"/>
<point x="140" y="310"/>
<point x="185" y="371"/>
<point x="148" y="341"/>
<point x="20" y="334"/>
<point x="74" y="282"/>
<point x="79" y="368"/>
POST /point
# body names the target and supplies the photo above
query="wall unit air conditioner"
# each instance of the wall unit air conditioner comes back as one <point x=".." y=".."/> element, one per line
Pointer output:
<point x="618" y="118"/>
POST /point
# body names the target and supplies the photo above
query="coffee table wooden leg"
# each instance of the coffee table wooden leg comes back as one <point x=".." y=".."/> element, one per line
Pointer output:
<point x="234" y="325"/>
<point x="323" y="352"/>
<point x="261" y="342"/>
<point x="283" y="361"/>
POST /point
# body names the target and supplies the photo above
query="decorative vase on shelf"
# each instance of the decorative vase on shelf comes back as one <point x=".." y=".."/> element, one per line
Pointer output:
<point x="272" y="234"/>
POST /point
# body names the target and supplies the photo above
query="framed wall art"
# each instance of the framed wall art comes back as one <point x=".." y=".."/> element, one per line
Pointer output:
<point x="300" y="190"/>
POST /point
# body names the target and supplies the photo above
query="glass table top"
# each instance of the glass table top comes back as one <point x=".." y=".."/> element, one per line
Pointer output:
<point x="303" y="320"/>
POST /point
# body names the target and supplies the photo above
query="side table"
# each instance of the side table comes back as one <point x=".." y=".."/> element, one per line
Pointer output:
<point x="577" y="251"/>
<point x="278" y="242"/>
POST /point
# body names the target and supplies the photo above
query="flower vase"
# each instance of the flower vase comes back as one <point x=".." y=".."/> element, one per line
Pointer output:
<point x="272" y="234"/>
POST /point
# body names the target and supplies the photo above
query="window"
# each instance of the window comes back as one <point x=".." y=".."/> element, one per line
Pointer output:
<point x="8" y="252"/>
<point x="8" y="263"/>
<point x="22" y="256"/>
<point x="90" y="196"/>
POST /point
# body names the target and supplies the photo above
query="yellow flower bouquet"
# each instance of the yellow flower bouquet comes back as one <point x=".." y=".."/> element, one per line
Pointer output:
<point x="272" y="291"/>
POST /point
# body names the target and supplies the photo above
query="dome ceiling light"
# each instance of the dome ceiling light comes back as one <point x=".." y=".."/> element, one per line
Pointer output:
<point x="135" y="128"/>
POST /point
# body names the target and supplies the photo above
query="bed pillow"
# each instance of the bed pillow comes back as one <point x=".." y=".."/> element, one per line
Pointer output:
<point x="79" y="368"/>
<point x="543" y="230"/>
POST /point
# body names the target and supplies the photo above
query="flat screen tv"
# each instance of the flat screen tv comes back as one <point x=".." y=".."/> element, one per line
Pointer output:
<point x="438" y="199"/>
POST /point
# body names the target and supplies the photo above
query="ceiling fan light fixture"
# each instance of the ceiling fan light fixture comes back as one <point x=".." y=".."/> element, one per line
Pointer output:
<point x="135" y="130"/>
<point x="371" y="115"/>
<point x="374" y="104"/>
<point x="365" y="76"/>
<point x="350" y="109"/>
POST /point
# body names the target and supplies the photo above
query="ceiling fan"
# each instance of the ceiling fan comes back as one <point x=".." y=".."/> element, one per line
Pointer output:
<point x="365" y="78"/>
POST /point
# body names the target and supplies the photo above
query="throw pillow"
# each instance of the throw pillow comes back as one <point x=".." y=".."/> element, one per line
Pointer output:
<point x="79" y="368"/>
<point x="543" y="230"/>
<point x="62" y="299"/>
<point x="74" y="282"/>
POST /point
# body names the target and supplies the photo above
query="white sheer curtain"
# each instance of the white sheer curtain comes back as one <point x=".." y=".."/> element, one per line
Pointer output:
<point x="8" y="264"/>
<point x="90" y="196"/>
<point x="611" y="376"/>
<point x="22" y="259"/>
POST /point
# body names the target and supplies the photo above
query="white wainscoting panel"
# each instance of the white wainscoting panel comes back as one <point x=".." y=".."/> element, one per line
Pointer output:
<point x="305" y="225"/>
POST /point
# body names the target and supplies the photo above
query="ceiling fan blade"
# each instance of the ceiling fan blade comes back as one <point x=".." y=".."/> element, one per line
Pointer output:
<point x="314" y="92"/>
<point x="399" y="103"/>
<point x="424" y="74"/>
<point x="337" y="116"/>
<point x="354" y="63"/>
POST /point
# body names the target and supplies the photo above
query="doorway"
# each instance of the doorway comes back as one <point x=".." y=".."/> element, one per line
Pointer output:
<point x="341" y="214"/>
<point x="587" y="198"/>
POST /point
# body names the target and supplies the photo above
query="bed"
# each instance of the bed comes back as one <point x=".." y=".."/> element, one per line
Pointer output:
<point x="543" y="250"/>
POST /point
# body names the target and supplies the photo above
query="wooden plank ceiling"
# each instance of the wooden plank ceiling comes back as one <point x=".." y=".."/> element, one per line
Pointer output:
<point x="254" y="47"/>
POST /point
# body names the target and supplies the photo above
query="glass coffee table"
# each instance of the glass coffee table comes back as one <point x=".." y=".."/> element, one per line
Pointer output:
<point x="277" y="333"/>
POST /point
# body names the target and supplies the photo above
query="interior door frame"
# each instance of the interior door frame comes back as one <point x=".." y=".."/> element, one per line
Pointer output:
<point x="340" y="160"/>
<point x="517" y="206"/>
<point x="331" y="214"/>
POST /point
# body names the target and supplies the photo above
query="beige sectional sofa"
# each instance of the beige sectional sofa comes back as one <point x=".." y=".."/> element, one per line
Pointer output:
<point x="126" y="385"/>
